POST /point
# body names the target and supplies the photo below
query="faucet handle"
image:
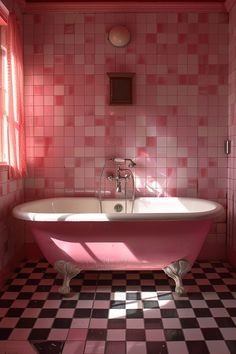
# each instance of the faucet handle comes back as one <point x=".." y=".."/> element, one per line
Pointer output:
<point x="131" y="163"/>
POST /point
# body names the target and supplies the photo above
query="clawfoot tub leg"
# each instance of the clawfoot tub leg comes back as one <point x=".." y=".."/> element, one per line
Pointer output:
<point x="177" y="271"/>
<point x="69" y="271"/>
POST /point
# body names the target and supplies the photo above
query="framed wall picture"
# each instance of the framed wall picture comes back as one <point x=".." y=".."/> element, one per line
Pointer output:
<point x="121" y="88"/>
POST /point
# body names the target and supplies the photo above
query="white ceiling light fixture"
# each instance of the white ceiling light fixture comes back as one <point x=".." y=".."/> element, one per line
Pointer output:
<point x="119" y="36"/>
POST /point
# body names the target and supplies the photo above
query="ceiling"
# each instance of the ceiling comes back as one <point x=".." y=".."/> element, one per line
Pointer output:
<point x="107" y="6"/>
<point x="142" y="1"/>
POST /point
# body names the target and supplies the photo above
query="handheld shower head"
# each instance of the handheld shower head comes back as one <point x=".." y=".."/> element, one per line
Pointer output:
<point x="120" y="160"/>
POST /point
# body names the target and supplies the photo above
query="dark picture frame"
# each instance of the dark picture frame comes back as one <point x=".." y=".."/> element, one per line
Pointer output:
<point x="121" y="88"/>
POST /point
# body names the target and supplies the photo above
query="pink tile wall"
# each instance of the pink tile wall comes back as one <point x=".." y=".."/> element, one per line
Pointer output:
<point x="11" y="232"/>
<point x="175" y="129"/>
<point x="232" y="136"/>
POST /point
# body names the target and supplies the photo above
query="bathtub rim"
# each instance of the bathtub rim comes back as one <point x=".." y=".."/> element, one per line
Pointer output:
<point x="18" y="213"/>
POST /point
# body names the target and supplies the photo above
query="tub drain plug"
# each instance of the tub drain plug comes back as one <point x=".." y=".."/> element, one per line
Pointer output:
<point x="118" y="208"/>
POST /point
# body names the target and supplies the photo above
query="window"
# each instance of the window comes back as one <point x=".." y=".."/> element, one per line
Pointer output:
<point x="12" y="139"/>
<point x="4" y="99"/>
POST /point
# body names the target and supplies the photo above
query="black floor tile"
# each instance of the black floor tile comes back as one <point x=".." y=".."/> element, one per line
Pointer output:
<point x="134" y="313"/>
<point x="49" y="347"/>
<point x="14" y="312"/>
<point x="39" y="334"/>
<point x="116" y="323"/>
<point x="97" y="334"/>
<point x="135" y="335"/>
<point x="117" y="347"/>
<point x="152" y="323"/>
<point x="102" y="296"/>
<point x="62" y="323"/>
<point x="212" y="334"/>
<point x="157" y="347"/>
<point x="48" y="313"/>
<point x="174" y="334"/>
<point x="133" y="296"/>
<point x="115" y="304"/>
<point x="5" y="303"/>
<point x="86" y="296"/>
<point x="24" y="296"/>
<point x="26" y="322"/>
<point x="82" y="313"/>
<point x="202" y="312"/>
<point x="189" y="323"/>
<point x="150" y="304"/>
<point x="5" y="333"/>
<point x="197" y="347"/>
<point x="232" y="346"/>
<point x="223" y="322"/>
<point x="36" y="304"/>
<point x="169" y="313"/>
<point x="68" y="304"/>
<point x="100" y="313"/>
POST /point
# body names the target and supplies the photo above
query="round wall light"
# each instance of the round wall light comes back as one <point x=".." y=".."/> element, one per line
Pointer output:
<point x="119" y="36"/>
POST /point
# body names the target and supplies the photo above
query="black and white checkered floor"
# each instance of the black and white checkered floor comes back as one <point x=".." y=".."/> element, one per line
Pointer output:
<point x="119" y="312"/>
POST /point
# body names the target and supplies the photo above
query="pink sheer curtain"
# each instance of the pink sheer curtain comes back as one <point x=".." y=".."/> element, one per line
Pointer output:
<point x="16" y="137"/>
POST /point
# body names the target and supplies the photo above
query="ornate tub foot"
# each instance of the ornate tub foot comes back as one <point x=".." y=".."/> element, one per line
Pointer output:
<point x="69" y="271"/>
<point x="177" y="271"/>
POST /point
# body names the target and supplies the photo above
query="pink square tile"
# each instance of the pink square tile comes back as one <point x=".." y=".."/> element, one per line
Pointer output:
<point x="21" y="334"/>
<point x="217" y="347"/>
<point x="9" y="296"/>
<point x="52" y="304"/>
<point x="8" y="322"/>
<point x="65" y="313"/>
<point x="78" y="334"/>
<point x="43" y="323"/>
<point x="80" y="323"/>
<point x="206" y="322"/>
<point x="177" y="347"/>
<point x="219" y="312"/>
<point x="58" y="334"/>
<point x="98" y="323"/>
<point x="40" y="296"/>
<point x="136" y="347"/>
<point x="20" y="303"/>
<point x="171" y="323"/>
<point x="228" y="333"/>
<point x="31" y="312"/>
<point x="116" y="334"/>
<point x="73" y="347"/>
<point x="94" y="347"/>
<point x="193" y="334"/>
<point x="154" y="335"/>
<point x="186" y="313"/>
<point x="12" y="346"/>
<point x="134" y="323"/>
<point x="3" y="312"/>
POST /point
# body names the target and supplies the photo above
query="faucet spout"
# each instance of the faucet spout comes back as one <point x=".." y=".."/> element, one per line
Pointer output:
<point x="118" y="186"/>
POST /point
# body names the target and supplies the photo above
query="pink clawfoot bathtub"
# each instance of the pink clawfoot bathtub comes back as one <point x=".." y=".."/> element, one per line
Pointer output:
<point x="83" y="233"/>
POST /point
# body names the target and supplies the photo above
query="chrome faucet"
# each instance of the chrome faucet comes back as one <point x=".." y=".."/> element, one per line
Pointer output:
<point x="118" y="177"/>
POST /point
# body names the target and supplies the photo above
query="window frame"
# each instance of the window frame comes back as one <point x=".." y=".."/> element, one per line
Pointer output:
<point x="4" y="97"/>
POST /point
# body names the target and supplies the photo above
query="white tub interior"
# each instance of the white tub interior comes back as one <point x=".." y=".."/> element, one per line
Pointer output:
<point x="88" y="209"/>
